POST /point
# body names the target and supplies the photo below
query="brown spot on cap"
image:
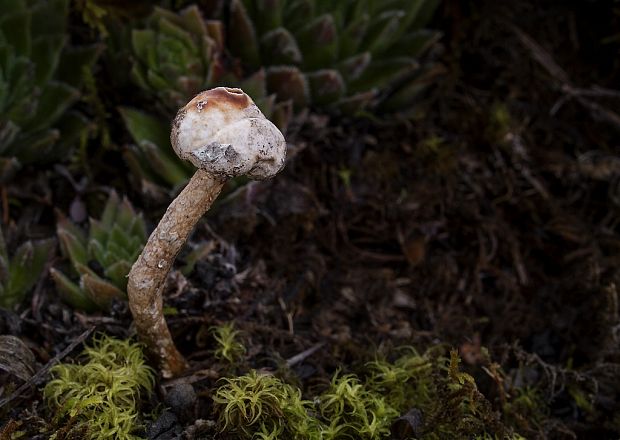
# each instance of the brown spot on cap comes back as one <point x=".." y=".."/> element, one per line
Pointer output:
<point x="223" y="97"/>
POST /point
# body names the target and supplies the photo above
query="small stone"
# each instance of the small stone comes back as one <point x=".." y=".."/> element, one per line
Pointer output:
<point x="166" y="427"/>
<point x="182" y="400"/>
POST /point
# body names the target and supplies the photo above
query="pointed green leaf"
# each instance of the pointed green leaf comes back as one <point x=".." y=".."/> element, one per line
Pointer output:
<point x="49" y="17"/>
<point x="46" y="54"/>
<point x="326" y="86"/>
<point x="296" y="13"/>
<point x="73" y="126"/>
<point x="15" y="29"/>
<point x="381" y="74"/>
<point x="73" y="247"/>
<point x="97" y="251"/>
<point x="138" y="229"/>
<point x="27" y="265"/>
<point x="255" y="85"/>
<point x="173" y="171"/>
<point x="74" y="59"/>
<point x="288" y="83"/>
<point x="356" y="102"/>
<point x="384" y="31"/>
<point x="71" y="293"/>
<point x="144" y="43"/>
<point x="176" y="34"/>
<point x="352" y="68"/>
<point x="83" y="269"/>
<point x="282" y="115"/>
<point x="116" y="252"/>
<point x="144" y="127"/>
<point x="193" y="21"/>
<point x="318" y="42"/>
<point x="119" y="238"/>
<point x="34" y="146"/>
<point x="117" y="273"/>
<point x="279" y="47"/>
<point x="353" y="35"/>
<point x="415" y="43"/>
<point x="268" y="14"/>
<point x="55" y="99"/>
<point x="101" y="292"/>
<point x="404" y="98"/>
<point x="242" y="38"/>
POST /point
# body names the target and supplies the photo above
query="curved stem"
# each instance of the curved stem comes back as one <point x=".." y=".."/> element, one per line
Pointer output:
<point x="148" y="274"/>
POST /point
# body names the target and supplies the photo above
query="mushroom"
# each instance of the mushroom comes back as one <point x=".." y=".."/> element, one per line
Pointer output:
<point x="224" y="134"/>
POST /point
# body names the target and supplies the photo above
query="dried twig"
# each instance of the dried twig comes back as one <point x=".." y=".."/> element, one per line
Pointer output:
<point x="300" y="357"/>
<point x="580" y="95"/>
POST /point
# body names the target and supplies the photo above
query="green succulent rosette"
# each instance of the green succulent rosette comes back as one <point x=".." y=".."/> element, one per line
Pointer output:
<point x="40" y="79"/>
<point x="346" y="55"/>
<point x="20" y="271"/>
<point x="101" y="258"/>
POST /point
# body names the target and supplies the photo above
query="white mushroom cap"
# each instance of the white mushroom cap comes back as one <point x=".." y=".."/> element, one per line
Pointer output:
<point x="224" y="133"/>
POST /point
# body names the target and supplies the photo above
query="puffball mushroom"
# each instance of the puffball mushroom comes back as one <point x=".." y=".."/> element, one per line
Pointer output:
<point x="224" y="134"/>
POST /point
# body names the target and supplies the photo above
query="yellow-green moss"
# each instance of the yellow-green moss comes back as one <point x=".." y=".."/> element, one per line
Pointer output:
<point x="103" y="394"/>
<point x="228" y="346"/>
<point x="261" y="406"/>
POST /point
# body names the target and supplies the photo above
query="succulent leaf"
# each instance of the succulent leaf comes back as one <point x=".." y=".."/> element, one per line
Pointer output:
<point x="318" y="41"/>
<point x="280" y="47"/>
<point x="326" y="86"/>
<point x="370" y="42"/>
<point x="289" y="84"/>
<point x="102" y="259"/>
<point x="40" y="78"/>
<point x="71" y="293"/>
<point x="175" y="55"/>
<point x="21" y="271"/>
<point x="100" y="291"/>
<point x="242" y="37"/>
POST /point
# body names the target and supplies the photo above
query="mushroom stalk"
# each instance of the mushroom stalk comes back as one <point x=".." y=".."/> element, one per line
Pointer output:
<point x="148" y="274"/>
<point x="223" y="133"/>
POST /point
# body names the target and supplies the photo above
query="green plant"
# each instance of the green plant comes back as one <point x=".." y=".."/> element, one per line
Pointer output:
<point x="346" y="55"/>
<point x="102" y="259"/>
<point x="353" y="410"/>
<point x="260" y="406"/>
<point x="40" y="77"/>
<point x="228" y="346"/>
<point x="20" y="272"/>
<point x="104" y="393"/>
<point x="177" y="55"/>
<point x="180" y="54"/>
<point x="406" y="382"/>
<point x="151" y="157"/>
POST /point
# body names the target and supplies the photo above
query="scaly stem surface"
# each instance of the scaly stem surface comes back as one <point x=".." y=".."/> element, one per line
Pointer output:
<point x="148" y="274"/>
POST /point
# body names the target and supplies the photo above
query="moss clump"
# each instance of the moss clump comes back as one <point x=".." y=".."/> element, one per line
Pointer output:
<point x="352" y="409"/>
<point x="103" y="393"/>
<point x="365" y="407"/>
<point x="228" y="346"/>
<point x="261" y="406"/>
